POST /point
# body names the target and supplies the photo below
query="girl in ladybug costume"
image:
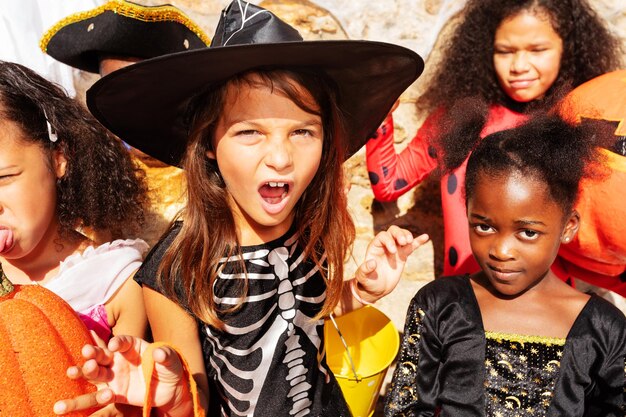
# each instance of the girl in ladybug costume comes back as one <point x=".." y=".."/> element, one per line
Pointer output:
<point x="511" y="57"/>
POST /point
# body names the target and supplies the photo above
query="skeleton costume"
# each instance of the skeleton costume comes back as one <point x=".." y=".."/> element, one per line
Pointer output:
<point x="270" y="359"/>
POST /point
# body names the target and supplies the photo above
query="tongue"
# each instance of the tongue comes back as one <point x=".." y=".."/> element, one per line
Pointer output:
<point x="6" y="240"/>
<point x="272" y="195"/>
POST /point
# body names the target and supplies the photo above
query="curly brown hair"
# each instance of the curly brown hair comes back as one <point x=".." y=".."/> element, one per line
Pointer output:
<point x="589" y="50"/>
<point x="467" y="70"/>
<point x="102" y="189"/>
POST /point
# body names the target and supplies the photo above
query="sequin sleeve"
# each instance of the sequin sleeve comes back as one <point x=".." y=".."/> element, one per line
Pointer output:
<point x="404" y="398"/>
<point x="440" y="369"/>
<point x="592" y="372"/>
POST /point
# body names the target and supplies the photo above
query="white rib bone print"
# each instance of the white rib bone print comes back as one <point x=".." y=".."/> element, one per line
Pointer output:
<point x="286" y="320"/>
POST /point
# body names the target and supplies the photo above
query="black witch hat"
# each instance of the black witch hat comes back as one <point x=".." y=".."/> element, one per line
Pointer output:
<point x="145" y="104"/>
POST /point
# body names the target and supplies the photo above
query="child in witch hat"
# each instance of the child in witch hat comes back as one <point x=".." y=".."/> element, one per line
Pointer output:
<point x="242" y="284"/>
<point x="117" y="34"/>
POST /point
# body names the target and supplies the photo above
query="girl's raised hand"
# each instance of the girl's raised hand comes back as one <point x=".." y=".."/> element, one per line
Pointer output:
<point x="118" y="370"/>
<point x="385" y="258"/>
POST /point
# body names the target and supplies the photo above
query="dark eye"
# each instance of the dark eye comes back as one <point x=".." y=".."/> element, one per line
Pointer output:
<point x="303" y="132"/>
<point x="530" y="234"/>
<point x="248" y="132"/>
<point x="483" y="229"/>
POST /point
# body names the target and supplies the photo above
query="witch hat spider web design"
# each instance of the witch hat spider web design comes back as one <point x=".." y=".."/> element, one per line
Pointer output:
<point x="270" y="355"/>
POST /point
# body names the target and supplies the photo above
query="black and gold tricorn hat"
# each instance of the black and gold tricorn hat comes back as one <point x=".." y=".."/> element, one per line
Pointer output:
<point x="145" y="104"/>
<point x="121" y="28"/>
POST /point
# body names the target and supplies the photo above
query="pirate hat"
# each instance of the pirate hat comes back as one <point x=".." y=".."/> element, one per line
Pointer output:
<point x="121" y="28"/>
<point x="145" y="104"/>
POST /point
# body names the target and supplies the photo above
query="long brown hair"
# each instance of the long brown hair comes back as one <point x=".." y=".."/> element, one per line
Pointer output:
<point x="191" y="264"/>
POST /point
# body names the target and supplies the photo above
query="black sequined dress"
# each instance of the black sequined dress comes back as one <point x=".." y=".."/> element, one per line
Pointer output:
<point x="450" y="366"/>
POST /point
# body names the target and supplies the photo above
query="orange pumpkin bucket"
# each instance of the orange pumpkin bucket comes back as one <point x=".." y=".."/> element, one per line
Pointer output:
<point x="597" y="254"/>
<point x="41" y="336"/>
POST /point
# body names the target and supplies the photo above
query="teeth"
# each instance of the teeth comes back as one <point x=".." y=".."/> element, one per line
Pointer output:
<point x="276" y="184"/>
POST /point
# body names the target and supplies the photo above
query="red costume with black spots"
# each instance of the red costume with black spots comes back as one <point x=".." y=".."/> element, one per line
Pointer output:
<point x="392" y="175"/>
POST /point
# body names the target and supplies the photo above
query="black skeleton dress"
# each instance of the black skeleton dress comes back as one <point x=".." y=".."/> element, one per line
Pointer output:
<point x="450" y="366"/>
<point x="270" y="358"/>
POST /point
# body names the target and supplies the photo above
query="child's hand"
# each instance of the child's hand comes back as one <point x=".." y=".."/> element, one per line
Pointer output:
<point x="385" y="258"/>
<point x="118" y="372"/>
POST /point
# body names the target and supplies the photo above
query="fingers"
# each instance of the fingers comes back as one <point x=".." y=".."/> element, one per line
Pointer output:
<point x="421" y="239"/>
<point x="394" y="238"/>
<point x="124" y="344"/>
<point x="165" y="356"/>
<point x="385" y="259"/>
<point x="84" y="402"/>
<point x="402" y="237"/>
<point x="365" y="270"/>
<point x="384" y="242"/>
<point x="96" y="366"/>
<point x="98" y="340"/>
<point x="168" y="364"/>
<point x="415" y="243"/>
<point x="101" y="355"/>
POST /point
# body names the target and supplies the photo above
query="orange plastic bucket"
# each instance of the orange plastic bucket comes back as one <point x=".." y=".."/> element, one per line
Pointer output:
<point x="371" y="345"/>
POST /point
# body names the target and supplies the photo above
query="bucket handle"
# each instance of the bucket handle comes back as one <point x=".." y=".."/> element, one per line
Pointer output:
<point x="345" y="345"/>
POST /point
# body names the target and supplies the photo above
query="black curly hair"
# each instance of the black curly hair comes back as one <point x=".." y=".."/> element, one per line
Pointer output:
<point x="546" y="148"/>
<point x="589" y="50"/>
<point x="467" y="70"/>
<point x="102" y="188"/>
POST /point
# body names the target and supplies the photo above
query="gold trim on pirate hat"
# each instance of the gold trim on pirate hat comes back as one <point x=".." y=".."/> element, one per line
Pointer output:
<point x="121" y="28"/>
<point x="145" y="104"/>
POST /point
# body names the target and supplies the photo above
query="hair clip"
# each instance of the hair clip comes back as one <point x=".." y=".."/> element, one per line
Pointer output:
<point x="51" y="135"/>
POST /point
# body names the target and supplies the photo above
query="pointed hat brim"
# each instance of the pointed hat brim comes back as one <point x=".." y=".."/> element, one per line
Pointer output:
<point x="144" y="104"/>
